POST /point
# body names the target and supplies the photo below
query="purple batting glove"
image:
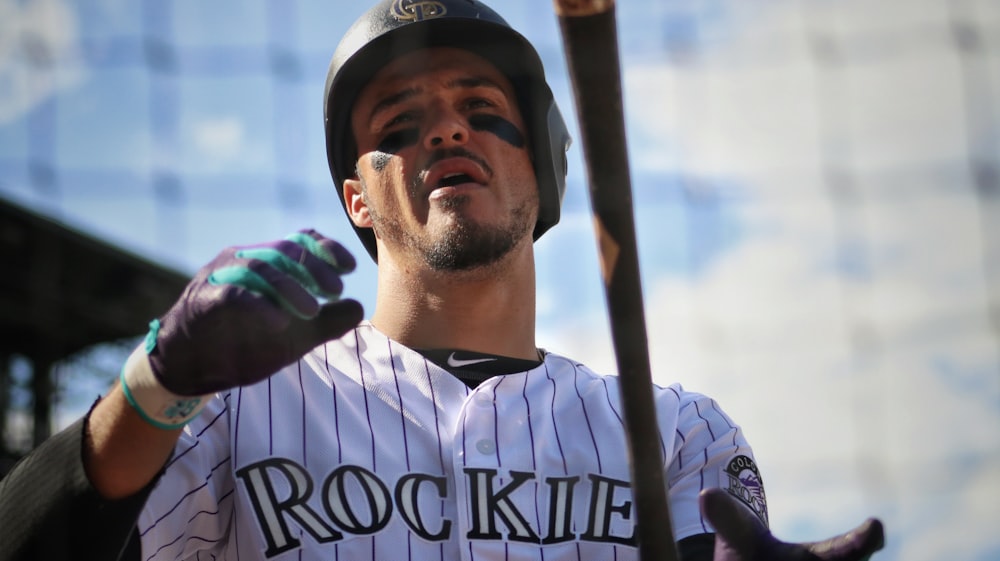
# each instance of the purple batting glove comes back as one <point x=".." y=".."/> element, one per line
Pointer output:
<point x="741" y="536"/>
<point x="252" y="311"/>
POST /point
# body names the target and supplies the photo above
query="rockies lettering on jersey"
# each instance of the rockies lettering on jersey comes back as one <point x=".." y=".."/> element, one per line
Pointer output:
<point x="365" y="450"/>
<point x="489" y="506"/>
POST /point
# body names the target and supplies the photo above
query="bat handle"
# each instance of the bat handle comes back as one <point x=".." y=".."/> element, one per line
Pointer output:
<point x="582" y="8"/>
<point x="589" y="31"/>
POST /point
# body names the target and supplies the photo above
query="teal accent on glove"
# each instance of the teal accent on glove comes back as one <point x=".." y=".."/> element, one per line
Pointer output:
<point x="150" y="342"/>
<point x="245" y="278"/>
<point x="287" y="265"/>
<point x="237" y="303"/>
<point x="313" y="246"/>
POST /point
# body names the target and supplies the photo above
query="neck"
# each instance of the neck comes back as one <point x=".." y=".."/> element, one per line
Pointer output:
<point x="489" y="310"/>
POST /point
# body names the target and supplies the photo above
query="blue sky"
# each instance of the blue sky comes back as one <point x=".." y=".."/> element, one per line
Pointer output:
<point x="816" y="252"/>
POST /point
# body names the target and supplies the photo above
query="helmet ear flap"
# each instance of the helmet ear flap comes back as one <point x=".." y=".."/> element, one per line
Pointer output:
<point x="558" y="142"/>
<point x="395" y="27"/>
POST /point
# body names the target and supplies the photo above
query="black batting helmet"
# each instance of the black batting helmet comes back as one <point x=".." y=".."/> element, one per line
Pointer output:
<point x="396" y="27"/>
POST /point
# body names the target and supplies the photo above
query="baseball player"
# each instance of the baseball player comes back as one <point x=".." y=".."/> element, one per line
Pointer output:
<point x="263" y="418"/>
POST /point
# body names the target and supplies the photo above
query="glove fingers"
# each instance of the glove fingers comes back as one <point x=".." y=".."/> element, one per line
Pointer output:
<point x="732" y="521"/>
<point x="251" y="311"/>
<point x="327" y="250"/>
<point x="741" y="536"/>
<point x="274" y="285"/>
<point x="331" y="322"/>
<point x="737" y="529"/>
<point x="295" y="261"/>
<point x="856" y="545"/>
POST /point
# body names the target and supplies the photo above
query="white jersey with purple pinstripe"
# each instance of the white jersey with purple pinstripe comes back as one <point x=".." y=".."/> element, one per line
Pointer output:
<point x="366" y="450"/>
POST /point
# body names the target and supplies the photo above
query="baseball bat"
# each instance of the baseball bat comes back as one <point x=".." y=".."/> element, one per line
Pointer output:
<point x="590" y="39"/>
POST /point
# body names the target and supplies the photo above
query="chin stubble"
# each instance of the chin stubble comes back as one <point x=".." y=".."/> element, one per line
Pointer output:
<point x="466" y="246"/>
<point x="470" y="245"/>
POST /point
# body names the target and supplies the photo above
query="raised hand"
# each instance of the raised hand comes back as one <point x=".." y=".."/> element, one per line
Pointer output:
<point x="251" y="311"/>
<point x="741" y="536"/>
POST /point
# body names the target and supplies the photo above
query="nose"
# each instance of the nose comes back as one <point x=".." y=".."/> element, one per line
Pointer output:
<point x="447" y="128"/>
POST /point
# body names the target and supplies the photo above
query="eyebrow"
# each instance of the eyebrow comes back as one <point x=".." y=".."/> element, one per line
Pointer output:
<point x="465" y="82"/>
<point x="474" y="82"/>
<point x="389" y="101"/>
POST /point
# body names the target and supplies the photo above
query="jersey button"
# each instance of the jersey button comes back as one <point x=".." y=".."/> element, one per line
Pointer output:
<point x="486" y="446"/>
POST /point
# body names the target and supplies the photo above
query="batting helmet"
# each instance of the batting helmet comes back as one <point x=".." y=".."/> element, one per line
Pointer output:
<point x="396" y="27"/>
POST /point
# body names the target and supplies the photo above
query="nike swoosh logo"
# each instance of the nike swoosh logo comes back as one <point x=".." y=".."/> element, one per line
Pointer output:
<point x="458" y="363"/>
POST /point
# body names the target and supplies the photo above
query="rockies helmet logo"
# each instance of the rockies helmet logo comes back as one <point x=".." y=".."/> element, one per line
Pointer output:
<point x="417" y="10"/>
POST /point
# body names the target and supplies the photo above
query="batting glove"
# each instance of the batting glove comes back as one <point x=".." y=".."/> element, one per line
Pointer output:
<point x="248" y="313"/>
<point x="741" y="536"/>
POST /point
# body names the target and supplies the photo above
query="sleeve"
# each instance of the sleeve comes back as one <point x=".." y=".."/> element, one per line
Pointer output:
<point x="709" y="451"/>
<point x="189" y="511"/>
<point x="49" y="510"/>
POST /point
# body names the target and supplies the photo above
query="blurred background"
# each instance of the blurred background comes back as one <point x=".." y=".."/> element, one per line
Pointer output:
<point x="817" y="189"/>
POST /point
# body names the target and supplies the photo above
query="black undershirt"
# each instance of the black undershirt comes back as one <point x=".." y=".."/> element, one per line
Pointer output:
<point x="474" y="368"/>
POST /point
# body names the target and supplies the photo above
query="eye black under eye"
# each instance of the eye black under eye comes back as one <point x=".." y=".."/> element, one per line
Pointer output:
<point x="502" y="128"/>
<point x="397" y="140"/>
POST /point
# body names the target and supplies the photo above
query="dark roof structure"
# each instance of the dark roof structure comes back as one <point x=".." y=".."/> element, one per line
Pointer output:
<point x="62" y="290"/>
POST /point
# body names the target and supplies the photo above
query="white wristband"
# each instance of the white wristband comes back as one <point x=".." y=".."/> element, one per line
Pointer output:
<point x="156" y="405"/>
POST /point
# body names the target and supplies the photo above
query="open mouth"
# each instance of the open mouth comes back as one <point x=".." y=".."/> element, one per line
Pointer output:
<point x="455" y="179"/>
<point x="456" y="171"/>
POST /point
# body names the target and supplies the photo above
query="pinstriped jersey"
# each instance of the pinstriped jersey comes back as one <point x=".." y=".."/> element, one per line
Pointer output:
<point x="364" y="449"/>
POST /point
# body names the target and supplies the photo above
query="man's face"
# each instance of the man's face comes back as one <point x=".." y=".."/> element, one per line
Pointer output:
<point x="444" y="174"/>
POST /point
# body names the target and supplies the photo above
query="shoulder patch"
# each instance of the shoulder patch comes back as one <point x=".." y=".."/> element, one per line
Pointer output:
<point x="742" y="480"/>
